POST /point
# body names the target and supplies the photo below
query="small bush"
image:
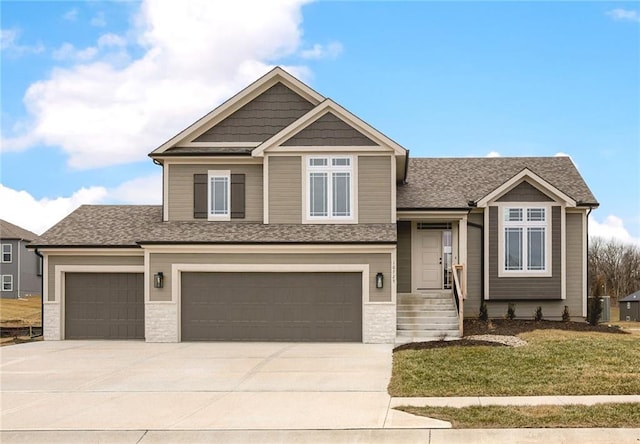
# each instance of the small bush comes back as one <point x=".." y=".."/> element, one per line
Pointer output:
<point x="565" y="314"/>
<point x="511" y="311"/>
<point x="538" y="315"/>
<point x="484" y="313"/>
<point x="594" y="310"/>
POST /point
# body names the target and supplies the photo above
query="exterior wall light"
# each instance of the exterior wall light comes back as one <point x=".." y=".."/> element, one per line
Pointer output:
<point x="158" y="280"/>
<point x="379" y="280"/>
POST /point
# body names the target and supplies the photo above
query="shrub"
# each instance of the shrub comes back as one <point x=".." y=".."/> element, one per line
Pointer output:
<point x="565" y="314"/>
<point x="594" y="310"/>
<point x="484" y="313"/>
<point x="511" y="311"/>
<point x="538" y="315"/>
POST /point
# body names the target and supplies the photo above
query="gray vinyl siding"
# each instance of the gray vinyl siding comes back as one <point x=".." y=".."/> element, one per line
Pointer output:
<point x="404" y="256"/>
<point x="575" y="261"/>
<point x="475" y="271"/>
<point x="181" y="189"/>
<point x="261" y="118"/>
<point x="374" y="189"/>
<point x="525" y="192"/>
<point x="524" y="288"/>
<point x="329" y="130"/>
<point x="24" y="267"/>
<point x="285" y="189"/>
<point x="378" y="262"/>
<point x="54" y="260"/>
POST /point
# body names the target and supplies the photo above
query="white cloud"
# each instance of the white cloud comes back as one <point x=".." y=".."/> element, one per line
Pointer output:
<point x="38" y="215"/>
<point x="99" y="20"/>
<point x="108" y="112"/>
<point x="624" y="15"/>
<point x="9" y="44"/>
<point x="561" y="154"/>
<point x="611" y="228"/>
<point x="318" y="51"/>
<point x="68" y="52"/>
<point x="71" y="15"/>
<point x="493" y="154"/>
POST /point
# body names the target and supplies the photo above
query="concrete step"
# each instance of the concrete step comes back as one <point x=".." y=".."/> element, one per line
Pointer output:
<point x="416" y="336"/>
<point x="435" y="302"/>
<point x="428" y="321"/>
<point x="427" y="327"/>
<point x="426" y="314"/>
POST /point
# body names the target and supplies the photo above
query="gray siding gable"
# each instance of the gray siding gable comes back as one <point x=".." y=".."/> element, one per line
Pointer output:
<point x="258" y="120"/>
<point x="524" y="192"/>
<point x="329" y="130"/>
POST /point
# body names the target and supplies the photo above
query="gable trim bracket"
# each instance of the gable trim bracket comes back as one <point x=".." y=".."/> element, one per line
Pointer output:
<point x="536" y="181"/>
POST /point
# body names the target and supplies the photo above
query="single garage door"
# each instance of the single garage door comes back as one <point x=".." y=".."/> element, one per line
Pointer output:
<point x="321" y="307"/>
<point x="104" y="306"/>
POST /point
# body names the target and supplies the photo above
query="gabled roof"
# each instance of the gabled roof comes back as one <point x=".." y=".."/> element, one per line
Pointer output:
<point x="276" y="75"/>
<point x="316" y="113"/>
<point x="14" y="232"/>
<point x="632" y="297"/>
<point x="458" y="183"/>
<point x="128" y="226"/>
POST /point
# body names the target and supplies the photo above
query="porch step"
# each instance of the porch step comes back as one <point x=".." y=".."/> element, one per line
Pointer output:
<point x="426" y="316"/>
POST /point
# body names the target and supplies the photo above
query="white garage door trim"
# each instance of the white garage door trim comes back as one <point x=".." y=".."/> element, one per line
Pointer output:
<point x="60" y="270"/>
<point x="177" y="269"/>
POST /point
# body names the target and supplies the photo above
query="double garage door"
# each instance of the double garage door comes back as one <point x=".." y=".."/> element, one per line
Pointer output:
<point x="324" y="307"/>
<point x="295" y="307"/>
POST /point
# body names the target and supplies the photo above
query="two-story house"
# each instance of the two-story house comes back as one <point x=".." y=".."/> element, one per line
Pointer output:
<point x="284" y="217"/>
<point x="20" y="268"/>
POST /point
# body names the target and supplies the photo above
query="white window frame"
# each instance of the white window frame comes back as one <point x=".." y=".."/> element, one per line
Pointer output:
<point x="9" y="281"/>
<point x="329" y="169"/>
<point x="217" y="174"/>
<point x="524" y="224"/>
<point x="10" y="252"/>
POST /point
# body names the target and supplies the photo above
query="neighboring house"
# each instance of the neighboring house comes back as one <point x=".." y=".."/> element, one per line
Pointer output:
<point x="20" y="269"/>
<point x="287" y="218"/>
<point x="630" y="307"/>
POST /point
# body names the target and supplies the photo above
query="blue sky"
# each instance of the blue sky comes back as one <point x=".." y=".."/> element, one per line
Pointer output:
<point x="89" y="88"/>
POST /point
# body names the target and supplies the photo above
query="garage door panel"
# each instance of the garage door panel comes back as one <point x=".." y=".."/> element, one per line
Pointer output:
<point x="272" y="306"/>
<point x="104" y="306"/>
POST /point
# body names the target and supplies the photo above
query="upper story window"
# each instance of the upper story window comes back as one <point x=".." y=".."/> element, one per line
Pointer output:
<point x="330" y="187"/>
<point x="7" y="253"/>
<point x="219" y="190"/>
<point x="7" y="282"/>
<point x="525" y="235"/>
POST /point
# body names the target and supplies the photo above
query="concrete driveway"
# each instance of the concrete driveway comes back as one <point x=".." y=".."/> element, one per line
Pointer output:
<point x="109" y="385"/>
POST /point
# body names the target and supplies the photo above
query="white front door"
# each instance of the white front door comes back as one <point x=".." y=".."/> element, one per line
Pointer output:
<point x="427" y="268"/>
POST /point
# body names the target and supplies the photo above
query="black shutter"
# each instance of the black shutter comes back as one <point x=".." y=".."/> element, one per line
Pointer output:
<point x="237" y="196"/>
<point x="200" y="196"/>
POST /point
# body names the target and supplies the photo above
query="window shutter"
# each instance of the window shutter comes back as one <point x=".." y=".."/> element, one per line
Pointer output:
<point x="200" y="196"/>
<point x="237" y="196"/>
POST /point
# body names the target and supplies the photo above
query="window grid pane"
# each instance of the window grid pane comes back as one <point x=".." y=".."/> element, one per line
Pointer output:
<point x="535" y="215"/>
<point x="317" y="162"/>
<point x="341" y="161"/>
<point x="219" y="196"/>
<point x="318" y="194"/>
<point x="536" y="249"/>
<point x="341" y="194"/>
<point x="513" y="249"/>
<point x="513" y="215"/>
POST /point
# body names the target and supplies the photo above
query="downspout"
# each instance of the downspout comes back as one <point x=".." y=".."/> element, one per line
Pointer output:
<point x="41" y="294"/>
<point x="586" y="257"/>
<point x="19" y="275"/>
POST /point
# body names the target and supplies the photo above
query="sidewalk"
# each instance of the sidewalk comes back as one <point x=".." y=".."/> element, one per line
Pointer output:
<point x="373" y="436"/>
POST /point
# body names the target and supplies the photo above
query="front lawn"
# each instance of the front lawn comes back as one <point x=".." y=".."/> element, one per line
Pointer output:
<point x="554" y="416"/>
<point x="555" y="362"/>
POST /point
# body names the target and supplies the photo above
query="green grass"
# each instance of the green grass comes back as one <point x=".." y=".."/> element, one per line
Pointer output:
<point x="477" y="417"/>
<point x="553" y="363"/>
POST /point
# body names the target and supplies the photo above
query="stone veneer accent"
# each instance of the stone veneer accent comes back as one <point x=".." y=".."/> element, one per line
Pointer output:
<point x="51" y="322"/>
<point x="161" y="322"/>
<point x="379" y="323"/>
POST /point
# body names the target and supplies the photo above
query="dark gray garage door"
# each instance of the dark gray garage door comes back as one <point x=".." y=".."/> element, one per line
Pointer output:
<point x="104" y="306"/>
<point x="322" y="307"/>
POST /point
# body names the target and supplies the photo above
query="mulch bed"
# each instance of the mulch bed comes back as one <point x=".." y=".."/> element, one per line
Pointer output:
<point x="506" y="327"/>
<point x="512" y="328"/>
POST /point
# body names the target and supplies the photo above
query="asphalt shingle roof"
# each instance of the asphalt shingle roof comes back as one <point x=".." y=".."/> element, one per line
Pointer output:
<point x="206" y="151"/>
<point x="454" y="182"/>
<point x="128" y="225"/>
<point x="11" y="231"/>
